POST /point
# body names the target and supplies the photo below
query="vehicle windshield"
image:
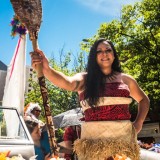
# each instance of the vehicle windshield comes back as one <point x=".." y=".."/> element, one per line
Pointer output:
<point x="11" y="126"/>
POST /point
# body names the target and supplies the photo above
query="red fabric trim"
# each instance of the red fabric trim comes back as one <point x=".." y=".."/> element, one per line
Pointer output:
<point x="103" y="113"/>
<point x="15" y="58"/>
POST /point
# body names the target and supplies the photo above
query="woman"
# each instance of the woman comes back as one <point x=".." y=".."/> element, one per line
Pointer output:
<point x="32" y="111"/>
<point x="41" y="149"/>
<point x="104" y="93"/>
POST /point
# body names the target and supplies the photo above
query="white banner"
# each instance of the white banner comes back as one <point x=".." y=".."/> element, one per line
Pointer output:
<point x="15" y="87"/>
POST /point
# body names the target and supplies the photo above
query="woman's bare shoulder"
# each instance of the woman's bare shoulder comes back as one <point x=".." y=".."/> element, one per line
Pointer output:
<point x="127" y="77"/>
<point x="129" y="80"/>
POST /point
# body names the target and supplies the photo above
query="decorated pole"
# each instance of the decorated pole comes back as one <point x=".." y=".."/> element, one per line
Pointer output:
<point x="30" y="14"/>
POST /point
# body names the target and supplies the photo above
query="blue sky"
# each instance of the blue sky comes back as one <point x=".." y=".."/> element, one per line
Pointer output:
<point x="64" y="24"/>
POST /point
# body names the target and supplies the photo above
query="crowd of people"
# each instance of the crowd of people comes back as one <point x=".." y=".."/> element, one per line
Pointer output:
<point x="149" y="144"/>
<point x="38" y="131"/>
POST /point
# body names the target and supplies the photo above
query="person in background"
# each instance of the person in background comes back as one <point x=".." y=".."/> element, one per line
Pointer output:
<point x="33" y="111"/>
<point x="71" y="133"/>
<point x="42" y="150"/>
<point x="105" y="93"/>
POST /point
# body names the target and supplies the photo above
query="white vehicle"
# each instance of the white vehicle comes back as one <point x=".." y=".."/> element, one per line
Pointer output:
<point x="16" y="143"/>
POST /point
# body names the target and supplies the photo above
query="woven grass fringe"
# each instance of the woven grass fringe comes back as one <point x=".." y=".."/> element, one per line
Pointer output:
<point x="102" y="149"/>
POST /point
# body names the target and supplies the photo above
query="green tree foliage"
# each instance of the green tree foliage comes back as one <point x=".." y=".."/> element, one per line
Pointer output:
<point x="137" y="39"/>
<point x="136" y="36"/>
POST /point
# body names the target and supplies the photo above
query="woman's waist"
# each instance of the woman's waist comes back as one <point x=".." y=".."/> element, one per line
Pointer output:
<point x="104" y="129"/>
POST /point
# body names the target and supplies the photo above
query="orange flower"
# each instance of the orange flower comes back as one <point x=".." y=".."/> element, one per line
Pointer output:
<point x="123" y="157"/>
<point x="54" y="157"/>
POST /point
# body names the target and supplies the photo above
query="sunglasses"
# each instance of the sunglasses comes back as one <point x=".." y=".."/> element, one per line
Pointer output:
<point x="38" y="110"/>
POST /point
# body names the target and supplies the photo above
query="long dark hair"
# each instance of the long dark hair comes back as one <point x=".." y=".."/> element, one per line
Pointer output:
<point x="94" y="81"/>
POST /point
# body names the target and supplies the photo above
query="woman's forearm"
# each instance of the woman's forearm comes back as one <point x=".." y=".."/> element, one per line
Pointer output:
<point x="143" y="108"/>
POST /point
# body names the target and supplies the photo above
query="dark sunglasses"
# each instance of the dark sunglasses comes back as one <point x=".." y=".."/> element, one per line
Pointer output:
<point x="38" y="110"/>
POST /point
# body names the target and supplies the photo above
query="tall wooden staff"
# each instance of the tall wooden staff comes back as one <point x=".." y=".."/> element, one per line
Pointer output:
<point x="30" y="14"/>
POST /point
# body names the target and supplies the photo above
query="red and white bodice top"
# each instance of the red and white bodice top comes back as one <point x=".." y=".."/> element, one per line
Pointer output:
<point x="113" y="104"/>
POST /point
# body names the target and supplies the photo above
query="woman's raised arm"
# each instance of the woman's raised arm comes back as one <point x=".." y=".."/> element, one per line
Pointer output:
<point x="71" y="83"/>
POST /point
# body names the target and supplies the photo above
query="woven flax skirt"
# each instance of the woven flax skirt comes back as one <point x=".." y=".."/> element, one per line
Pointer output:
<point x="103" y="139"/>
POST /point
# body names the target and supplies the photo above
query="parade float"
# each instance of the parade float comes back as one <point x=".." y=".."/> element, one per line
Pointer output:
<point x="18" y="144"/>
